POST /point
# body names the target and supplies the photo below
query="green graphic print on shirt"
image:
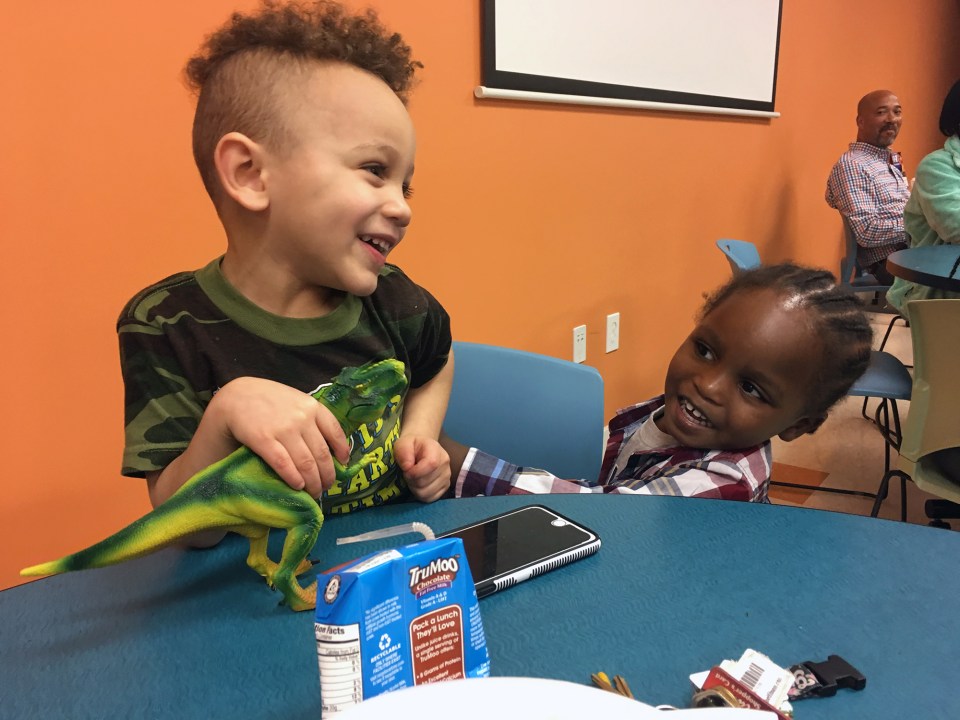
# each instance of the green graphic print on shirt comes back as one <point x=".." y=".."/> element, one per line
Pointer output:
<point x="379" y="482"/>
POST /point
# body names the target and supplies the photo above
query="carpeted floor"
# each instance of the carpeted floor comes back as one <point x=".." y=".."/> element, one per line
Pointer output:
<point x="792" y="474"/>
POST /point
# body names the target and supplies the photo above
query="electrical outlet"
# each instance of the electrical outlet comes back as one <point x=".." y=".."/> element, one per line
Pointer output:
<point x="613" y="331"/>
<point x="580" y="343"/>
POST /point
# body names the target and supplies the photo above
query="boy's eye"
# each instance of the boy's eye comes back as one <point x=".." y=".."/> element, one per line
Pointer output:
<point x="752" y="390"/>
<point x="702" y="350"/>
<point x="379" y="170"/>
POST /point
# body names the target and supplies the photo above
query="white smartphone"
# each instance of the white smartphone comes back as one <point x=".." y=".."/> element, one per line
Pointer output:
<point x="514" y="546"/>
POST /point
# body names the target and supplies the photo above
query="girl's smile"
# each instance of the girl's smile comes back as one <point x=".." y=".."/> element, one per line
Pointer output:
<point x="744" y="375"/>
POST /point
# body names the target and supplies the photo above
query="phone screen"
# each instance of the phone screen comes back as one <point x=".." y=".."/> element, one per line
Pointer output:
<point x="508" y="548"/>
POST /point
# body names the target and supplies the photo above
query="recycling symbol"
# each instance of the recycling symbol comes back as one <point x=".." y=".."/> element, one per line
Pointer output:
<point x="384" y="641"/>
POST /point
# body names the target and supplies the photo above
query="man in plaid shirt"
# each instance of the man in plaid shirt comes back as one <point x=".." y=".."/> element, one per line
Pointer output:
<point x="868" y="187"/>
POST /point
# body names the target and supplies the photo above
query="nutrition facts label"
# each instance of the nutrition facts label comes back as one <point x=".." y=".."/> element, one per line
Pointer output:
<point x="341" y="681"/>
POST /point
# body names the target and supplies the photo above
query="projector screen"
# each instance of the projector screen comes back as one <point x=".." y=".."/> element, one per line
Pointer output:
<point x="716" y="56"/>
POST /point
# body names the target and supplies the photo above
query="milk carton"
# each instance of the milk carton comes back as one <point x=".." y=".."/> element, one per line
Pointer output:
<point x="397" y="618"/>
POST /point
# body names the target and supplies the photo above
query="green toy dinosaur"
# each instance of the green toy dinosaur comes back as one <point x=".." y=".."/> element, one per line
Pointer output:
<point x="242" y="494"/>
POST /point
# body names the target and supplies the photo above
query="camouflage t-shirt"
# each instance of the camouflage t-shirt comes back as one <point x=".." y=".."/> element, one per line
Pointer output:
<point x="185" y="337"/>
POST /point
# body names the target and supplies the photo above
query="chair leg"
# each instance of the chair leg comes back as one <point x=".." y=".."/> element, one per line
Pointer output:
<point x="886" y="335"/>
<point x="892" y="437"/>
<point x="888" y="411"/>
<point x="821" y="488"/>
<point x="881" y="495"/>
<point x="883" y="489"/>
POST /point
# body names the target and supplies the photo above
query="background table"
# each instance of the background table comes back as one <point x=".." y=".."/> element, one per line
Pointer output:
<point x="929" y="266"/>
<point x="678" y="585"/>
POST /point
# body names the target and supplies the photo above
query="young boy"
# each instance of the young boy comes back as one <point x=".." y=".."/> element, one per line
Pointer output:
<point x="774" y="349"/>
<point x="305" y="146"/>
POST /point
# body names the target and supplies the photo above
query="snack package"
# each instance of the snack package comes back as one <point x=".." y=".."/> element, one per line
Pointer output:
<point x="397" y="618"/>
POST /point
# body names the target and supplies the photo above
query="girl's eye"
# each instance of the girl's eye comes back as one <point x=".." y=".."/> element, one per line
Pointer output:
<point x="407" y="191"/>
<point x="752" y="390"/>
<point x="702" y="350"/>
<point x="376" y="169"/>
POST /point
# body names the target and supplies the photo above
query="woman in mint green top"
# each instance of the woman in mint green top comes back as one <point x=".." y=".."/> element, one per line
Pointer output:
<point x="932" y="214"/>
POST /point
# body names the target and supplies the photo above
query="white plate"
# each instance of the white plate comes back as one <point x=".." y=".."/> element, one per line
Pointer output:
<point x="506" y="698"/>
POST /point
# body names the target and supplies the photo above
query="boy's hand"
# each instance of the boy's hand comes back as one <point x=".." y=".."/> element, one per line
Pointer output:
<point x="425" y="465"/>
<point x="293" y="433"/>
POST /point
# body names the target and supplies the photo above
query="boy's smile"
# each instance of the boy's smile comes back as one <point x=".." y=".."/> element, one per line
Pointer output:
<point x="337" y="190"/>
<point x="744" y="375"/>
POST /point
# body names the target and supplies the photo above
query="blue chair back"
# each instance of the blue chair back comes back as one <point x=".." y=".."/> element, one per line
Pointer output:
<point x="741" y="255"/>
<point x="851" y="274"/>
<point x="529" y="409"/>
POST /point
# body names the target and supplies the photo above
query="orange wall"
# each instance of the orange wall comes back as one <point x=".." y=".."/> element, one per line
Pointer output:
<point x="529" y="219"/>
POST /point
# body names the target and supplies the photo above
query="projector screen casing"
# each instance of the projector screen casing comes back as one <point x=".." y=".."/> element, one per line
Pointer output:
<point x="689" y="55"/>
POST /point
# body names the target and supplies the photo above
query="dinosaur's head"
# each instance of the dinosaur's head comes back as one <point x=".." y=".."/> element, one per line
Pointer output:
<point x="359" y="395"/>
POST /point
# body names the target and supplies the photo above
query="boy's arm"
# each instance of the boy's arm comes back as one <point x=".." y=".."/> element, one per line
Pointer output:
<point x="289" y="429"/>
<point x="425" y="464"/>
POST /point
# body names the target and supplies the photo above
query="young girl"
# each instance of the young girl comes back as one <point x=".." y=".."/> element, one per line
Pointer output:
<point x="772" y="351"/>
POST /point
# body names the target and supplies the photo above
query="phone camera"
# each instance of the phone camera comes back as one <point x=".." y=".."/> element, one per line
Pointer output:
<point x="559" y="522"/>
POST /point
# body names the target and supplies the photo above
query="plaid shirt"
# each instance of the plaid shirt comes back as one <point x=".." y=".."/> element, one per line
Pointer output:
<point x="723" y="474"/>
<point x="870" y="191"/>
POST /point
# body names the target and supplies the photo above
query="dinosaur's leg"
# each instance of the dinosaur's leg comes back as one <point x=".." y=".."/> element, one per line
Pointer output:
<point x="362" y="462"/>
<point x="258" y="558"/>
<point x="299" y="542"/>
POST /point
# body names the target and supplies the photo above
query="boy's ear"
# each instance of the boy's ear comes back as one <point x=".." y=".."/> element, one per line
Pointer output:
<point x="239" y="163"/>
<point x="803" y="426"/>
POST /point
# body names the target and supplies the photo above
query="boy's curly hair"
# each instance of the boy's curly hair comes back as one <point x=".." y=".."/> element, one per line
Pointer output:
<point x="243" y="71"/>
<point x="836" y="313"/>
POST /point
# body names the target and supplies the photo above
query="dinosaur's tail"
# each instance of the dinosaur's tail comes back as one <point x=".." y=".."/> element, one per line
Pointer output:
<point x="163" y="526"/>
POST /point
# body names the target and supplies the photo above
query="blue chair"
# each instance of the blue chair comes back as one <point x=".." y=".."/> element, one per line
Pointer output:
<point x="888" y="379"/>
<point x="851" y="274"/>
<point x="530" y="409"/>
<point x="741" y="255"/>
<point x="853" y="277"/>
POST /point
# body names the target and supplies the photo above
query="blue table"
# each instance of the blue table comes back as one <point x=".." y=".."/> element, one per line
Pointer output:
<point x="678" y="585"/>
<point x="935" y="266"/>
